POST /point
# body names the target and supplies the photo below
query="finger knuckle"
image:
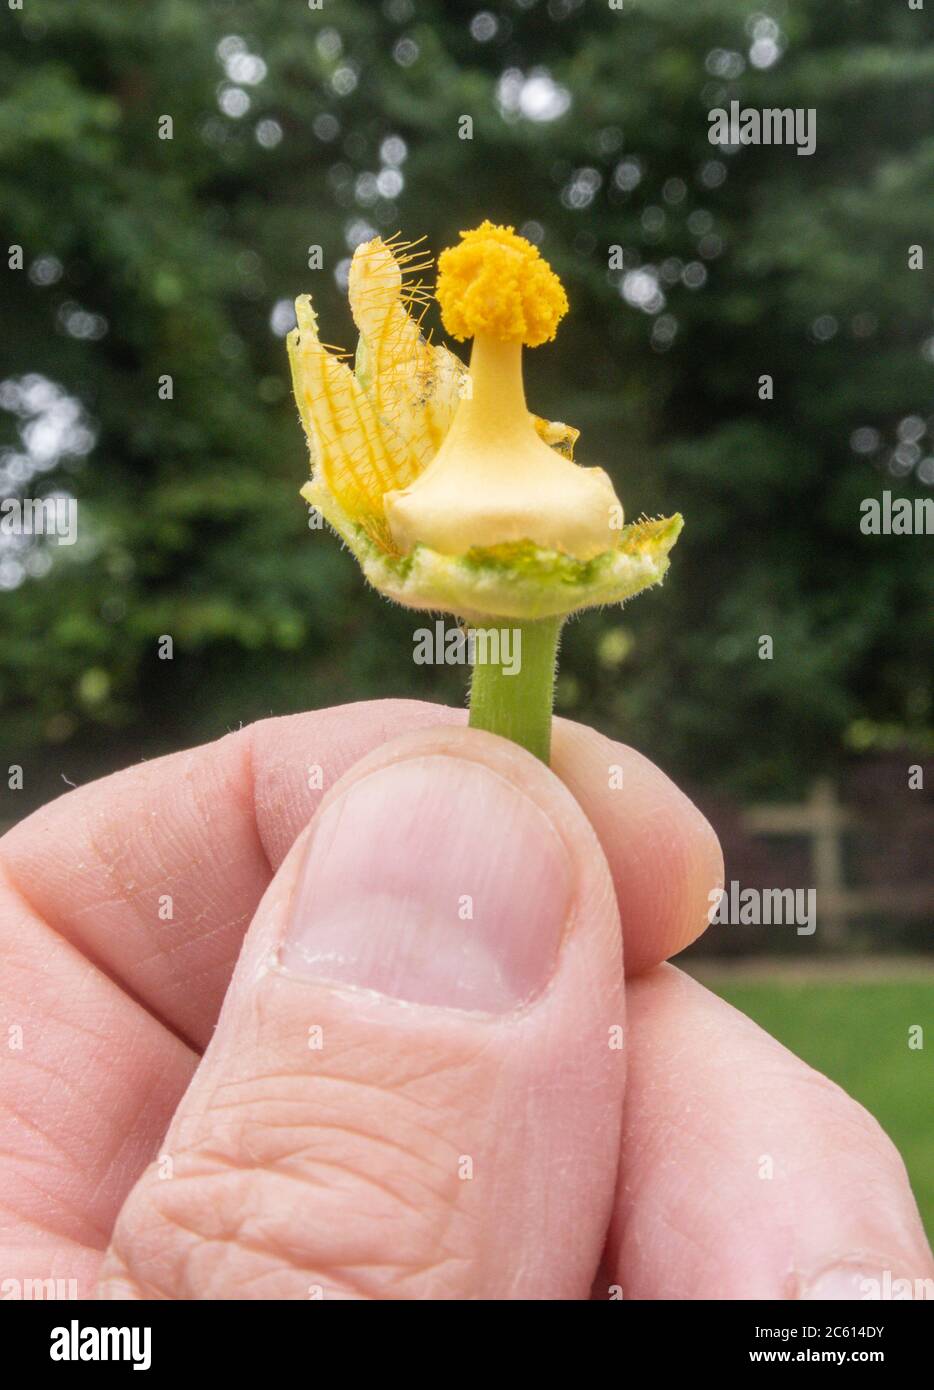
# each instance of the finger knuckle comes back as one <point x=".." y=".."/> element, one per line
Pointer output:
<point x="363" y="1201"/>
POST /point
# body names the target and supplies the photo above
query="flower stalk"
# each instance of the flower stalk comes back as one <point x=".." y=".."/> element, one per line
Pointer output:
<point x="517" y="704"/>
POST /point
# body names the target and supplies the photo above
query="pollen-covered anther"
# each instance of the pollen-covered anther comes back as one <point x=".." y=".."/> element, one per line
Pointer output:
<point x="496" y="283"/>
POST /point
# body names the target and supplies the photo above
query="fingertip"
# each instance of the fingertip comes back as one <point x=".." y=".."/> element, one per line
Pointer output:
<point x="663" y="853"/>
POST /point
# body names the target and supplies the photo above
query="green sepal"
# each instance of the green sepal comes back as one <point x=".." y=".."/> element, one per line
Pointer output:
<point x="519" y="581"/>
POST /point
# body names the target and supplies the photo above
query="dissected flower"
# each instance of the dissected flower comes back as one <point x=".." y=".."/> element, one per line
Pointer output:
<point x="449" y="492"/>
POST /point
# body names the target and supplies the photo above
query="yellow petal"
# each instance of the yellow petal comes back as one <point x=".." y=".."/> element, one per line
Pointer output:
<point x="348" y="444"/>
<point x="414" y="387"/>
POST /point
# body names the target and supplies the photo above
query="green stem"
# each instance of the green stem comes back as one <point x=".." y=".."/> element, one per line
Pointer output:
<point x="517" y="706"/>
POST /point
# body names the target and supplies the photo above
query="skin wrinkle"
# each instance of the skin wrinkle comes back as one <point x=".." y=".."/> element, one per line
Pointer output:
<point x="109" y="847"/>
<point x="238" y="1242"/>
<point x="54" y="1255"/>
<point x="863" y="1125"/>
<point x="303" y="1100"/>
<point x="135" y="1133"/>
<point x="235" y="1237"/>
<point x="70" y="1096"/>
<point x="310" y="1086"/>
<point x="96" y="1236"/>
<point x="406" y="1272"/>
<point x="307" y="1177"/>
<point x="42" y="1162"/>
<point x="71" y="1084"/>
<point x="61" y="1245"/>
<point x="350" y="1131"/>
<point x="287" y="1125"/>
<point x="73" y="1164"/>
<point x="379" y="1091"/>
<point x="52" y="1202"/>
<point x="345" y="1052"/>
<point x="667" y="1218"/>
<point x="167" y="948"/>
<point x="250" y="767"/>
<point x="84" y="954"/>
<point x="69" y="1160"/>
<point x="182" y="983"/>
<point x="130" y="895"/>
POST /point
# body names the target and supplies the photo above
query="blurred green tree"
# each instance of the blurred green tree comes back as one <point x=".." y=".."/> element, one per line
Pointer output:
<point x="146" y="258"/>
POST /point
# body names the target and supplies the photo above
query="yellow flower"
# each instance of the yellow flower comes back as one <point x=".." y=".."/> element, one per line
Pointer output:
<point x="449" y="492"/>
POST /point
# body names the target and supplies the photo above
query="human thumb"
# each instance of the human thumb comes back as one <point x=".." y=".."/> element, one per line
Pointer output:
<point x="414" y="1089"/>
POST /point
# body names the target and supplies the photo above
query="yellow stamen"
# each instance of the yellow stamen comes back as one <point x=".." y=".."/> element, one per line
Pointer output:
<point x="494" y="480"/>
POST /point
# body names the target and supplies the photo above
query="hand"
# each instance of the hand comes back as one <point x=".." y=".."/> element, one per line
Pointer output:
<point x="411" y="1083"/>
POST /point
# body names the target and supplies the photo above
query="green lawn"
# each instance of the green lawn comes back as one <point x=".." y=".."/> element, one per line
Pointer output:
<point x="858" y="1034"/>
